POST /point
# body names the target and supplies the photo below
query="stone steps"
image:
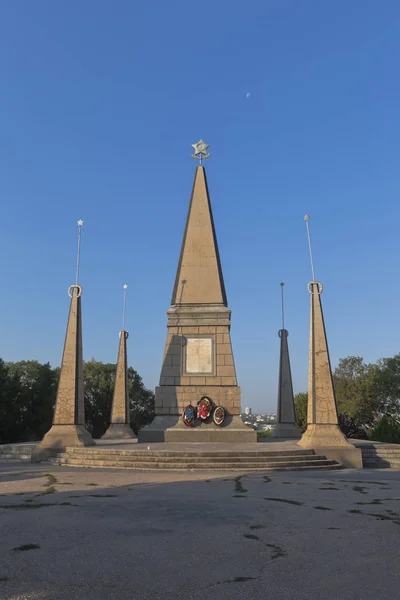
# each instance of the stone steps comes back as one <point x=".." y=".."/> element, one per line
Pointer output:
<point x="148" y="458"/>
<point x="17" y="451"/>
<point x="385" y="457"/>
<point x="144" y="460"/>
<point x="193" y="454"/>
<point x="295" y="466"/>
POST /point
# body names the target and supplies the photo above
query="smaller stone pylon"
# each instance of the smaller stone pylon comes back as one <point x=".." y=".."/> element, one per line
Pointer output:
<point x="69" y="415"/>
<point x="120" y="420"/>
<point x="323" y="431"/>
<point x="285" y="416"/>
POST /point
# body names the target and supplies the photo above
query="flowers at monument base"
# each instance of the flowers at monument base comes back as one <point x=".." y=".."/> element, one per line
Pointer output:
<point x="219" y="415"/>
<point x="204" y="408"/>
<point x="188" y="416"/>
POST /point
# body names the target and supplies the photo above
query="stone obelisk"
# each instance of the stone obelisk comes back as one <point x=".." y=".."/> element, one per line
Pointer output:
<point x="120" y="416"/>
<point x="323" y="432"/>
<point x="198" y="359"/>
<point x="120" y="419"/>
<point x="69" y="415"/>
<point x="285" y="415"/>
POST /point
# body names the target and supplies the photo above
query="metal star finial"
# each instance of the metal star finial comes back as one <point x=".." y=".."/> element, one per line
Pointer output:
<point x="80" y="223"/>
<point x="200" y="151"/>
<point x="306" y="217"/>
<point x="125" y="286"/>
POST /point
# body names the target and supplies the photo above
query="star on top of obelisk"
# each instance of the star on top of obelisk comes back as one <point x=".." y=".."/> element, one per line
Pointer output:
<point x="200" y="151"/>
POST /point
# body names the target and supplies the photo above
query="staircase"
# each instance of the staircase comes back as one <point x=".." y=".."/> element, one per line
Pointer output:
<point x="17" y="451"/>
<point x="381" y="456"/>
<point x="290" y="460"/>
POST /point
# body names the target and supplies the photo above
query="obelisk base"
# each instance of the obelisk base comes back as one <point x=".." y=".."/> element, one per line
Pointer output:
<point x="172" y="429"/>
<point x="119" y="431"/>
<point x="59" y="438"/>
<point x="328" y="440"/>
<point x="286" y="431"/>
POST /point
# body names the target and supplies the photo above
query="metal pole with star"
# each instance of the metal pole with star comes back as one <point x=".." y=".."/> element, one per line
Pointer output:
<point x="200" y="151"/>
<point x="125" y="286"/>
<point x="78" y="257"/>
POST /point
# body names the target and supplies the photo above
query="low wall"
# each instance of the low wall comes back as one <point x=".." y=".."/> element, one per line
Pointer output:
<point x="21" y="451"/>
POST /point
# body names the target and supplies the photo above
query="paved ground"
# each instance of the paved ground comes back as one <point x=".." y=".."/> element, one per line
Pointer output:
<point x="94" y="535"/>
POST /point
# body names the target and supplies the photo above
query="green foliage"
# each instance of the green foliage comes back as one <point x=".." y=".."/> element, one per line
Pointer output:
<point x="355" y="389"/>
<point x="28" y="393"/>
<point x="141" y="401"/>
<point x="388" y="385"/>
<point x="27" y="397"/>
<point x="264" y="434"/>
<point x="300" y="404"/>
<point x="387" y="430"/>
<point x="99" y="381"/>
<point x="357" y="398"/>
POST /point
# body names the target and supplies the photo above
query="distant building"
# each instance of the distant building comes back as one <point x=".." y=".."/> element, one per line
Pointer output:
<point x="247" y="411"/>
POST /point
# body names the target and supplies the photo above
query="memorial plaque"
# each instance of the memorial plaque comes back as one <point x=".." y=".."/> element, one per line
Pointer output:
<point x="199" y="355"/>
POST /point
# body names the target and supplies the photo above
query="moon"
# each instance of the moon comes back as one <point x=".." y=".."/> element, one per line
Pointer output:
<point x="248" y="95"/>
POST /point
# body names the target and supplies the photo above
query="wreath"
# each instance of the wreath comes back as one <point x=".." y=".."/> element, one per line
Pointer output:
<point x="219" y="415"/>
<point x="204" y="408"/>
<point x="188" y="416"/>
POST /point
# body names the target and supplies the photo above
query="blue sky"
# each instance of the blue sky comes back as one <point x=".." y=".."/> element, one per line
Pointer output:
<point x="99" y="104"/>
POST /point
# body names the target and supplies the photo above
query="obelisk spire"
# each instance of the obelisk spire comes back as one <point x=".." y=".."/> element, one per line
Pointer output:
<point x="285" y="415"/>
<point x="322" y="419"/>
<point x="199" y="278"/>
<point x="198" y="360"/>
<point x="69" y="414"/>
<point x="120" y="416"/>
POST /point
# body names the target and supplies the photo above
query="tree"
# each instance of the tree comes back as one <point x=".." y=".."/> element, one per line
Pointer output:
<point x="387" y="385"/>
<point x="141" y="401"/>
<point x="355" y="389"/>
<point x="387" y="430"/>
<point x="28" y="393"/>
<point x="300" y="404"/>
<point x="99" y="380"/>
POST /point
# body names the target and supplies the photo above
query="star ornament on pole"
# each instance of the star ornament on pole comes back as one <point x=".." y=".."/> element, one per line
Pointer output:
<point x="200" y="151"/>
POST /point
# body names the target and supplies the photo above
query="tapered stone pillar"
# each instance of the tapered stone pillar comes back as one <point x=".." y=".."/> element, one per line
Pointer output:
<point x="198" y="358"/>
<point x="69" y="415"/>
<point x="323" y="432"/>
<point x="285" y="416"/>
<point x="120" y="418"/>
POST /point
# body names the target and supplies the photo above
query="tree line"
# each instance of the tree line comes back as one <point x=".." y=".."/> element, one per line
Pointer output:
<point x="28" y="391"/>
<point x="367" y="396"/>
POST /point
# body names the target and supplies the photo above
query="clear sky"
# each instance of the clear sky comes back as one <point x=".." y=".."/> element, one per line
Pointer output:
<point x="100" y="101"/>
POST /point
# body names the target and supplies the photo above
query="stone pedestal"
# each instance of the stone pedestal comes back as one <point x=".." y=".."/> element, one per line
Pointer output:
<point x="119" y="431"/>
<point x="323" y="433"/>
<point x="69" y="415"/>
<point x="120" y="418"/>
<point x="198" y="358"/>
<point x="285" y="415"/>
